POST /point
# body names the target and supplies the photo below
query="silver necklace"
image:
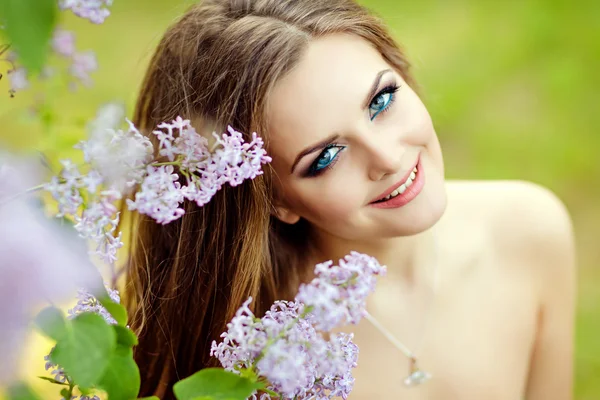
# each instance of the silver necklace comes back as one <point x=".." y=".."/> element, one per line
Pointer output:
<point x="416" y="375"/>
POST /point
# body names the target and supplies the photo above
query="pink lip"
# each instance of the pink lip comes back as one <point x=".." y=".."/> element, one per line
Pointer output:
<point x="409" y="194"/>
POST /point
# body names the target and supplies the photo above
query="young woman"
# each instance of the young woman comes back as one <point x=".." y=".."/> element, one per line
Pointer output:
<point x="480" y="284"/>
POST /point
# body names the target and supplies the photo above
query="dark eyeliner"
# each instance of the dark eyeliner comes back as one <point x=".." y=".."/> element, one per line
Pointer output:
<point x="391" y="89"/>
<point x="313" y="171"/>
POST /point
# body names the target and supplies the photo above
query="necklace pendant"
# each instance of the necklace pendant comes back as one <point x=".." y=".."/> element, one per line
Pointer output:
<point x="417" y="376"/>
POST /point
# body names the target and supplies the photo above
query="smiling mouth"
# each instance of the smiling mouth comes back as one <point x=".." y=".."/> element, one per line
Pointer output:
<point x="401" y="188"/>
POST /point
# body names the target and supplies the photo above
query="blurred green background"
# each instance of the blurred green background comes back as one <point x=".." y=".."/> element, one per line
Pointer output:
<point x="512" y="87"/>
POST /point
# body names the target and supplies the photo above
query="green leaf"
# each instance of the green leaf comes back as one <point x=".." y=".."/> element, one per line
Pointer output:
<point x="29" y="25"/>
<point x="121" y="380"/>
<point x="53" y="381"/>
<point x="85" y="352"/>
<point x="65" y="393"/>
<point x="215" y="384"/>
<point x="52" y="323"/>
<point x="20" y="391"/>
<point x="125" y="336"/>
<point x="149" y="398"/>
<point x="117" y="311"/>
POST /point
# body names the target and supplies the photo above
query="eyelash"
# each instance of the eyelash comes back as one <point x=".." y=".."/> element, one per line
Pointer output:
<point x="390" y="89"/>
<point x="313" y="171"/>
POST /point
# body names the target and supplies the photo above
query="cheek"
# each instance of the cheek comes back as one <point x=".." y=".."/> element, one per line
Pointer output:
<point x="332" y="202"/>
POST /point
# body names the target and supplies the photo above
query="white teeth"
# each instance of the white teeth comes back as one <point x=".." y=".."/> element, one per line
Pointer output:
<point x="404" y="186"/>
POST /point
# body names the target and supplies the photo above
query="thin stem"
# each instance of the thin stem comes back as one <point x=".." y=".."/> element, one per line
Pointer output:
<point x="158" y="164"/>
<point x="398" y="344"/>
<point x="16" y="196"/>
<point x="35" y="188"/>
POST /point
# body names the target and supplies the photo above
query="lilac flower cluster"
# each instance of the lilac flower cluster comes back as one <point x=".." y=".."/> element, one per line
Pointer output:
<point x="81" y="63"/>
<point x="285" y="348"/>
<point x="205" y="171"/>
<point x="94" y="10"/>
<point x="40" y="261"/>
<point x="86" y="302"/>
<point x="119" y="161"/>
<point x="338" y="293"/>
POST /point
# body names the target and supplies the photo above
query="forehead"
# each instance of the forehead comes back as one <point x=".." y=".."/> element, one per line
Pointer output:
<point x="322" y="95"/>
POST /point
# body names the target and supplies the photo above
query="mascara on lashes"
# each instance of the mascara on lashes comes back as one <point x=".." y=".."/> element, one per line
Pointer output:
<point x="312" y="169"/>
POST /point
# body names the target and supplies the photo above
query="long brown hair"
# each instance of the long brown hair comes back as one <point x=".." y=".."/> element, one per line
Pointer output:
<point x="216" y="66"/>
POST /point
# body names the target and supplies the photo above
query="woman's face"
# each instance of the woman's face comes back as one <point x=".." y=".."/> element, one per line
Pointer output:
<point x="345" y="129"/>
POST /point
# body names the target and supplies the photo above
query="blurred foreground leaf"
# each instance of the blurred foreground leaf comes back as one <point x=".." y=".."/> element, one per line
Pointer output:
<point x="215" y="384"/>
<point x="86" y="350"/>
<point x="122" y="377"/>
<point x="28" y="27"/>
<point x="52" y="323"/>
<point x="125" y="336"/>
<point x="117" y="311"/>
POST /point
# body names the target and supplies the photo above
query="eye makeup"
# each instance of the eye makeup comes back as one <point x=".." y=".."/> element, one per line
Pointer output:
<point x="326" y="159"/>
<point x="380" y="103"/>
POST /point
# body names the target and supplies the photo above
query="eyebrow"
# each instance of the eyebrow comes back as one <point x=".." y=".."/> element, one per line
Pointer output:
<point x="374" y="86"/>
<point x="330" y="139"/>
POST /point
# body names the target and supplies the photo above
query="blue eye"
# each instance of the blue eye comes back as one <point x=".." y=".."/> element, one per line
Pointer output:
<point x="382" y="100"/>
<point x="326" y="159"/>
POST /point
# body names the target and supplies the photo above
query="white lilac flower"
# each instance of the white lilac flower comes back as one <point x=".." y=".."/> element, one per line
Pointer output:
<point x="159" y="195"/>
<point x="108" y="116"/>
<point x="86" y="302"/>
<point x="284" y="348"/>
<point x="232" y="162"/>
<point x="63" y="42"/>
<point x="338" y="293"/>
<point x="235" y="160"/>
<point x="93" y="10"/>
<point x="40" y="262"/>
<point x="119" y="157"/>
<point x="18" y="79"/>
<point x="82" y="64"/>
<point x="65" y="189"/>
<point x="98" y="215"/>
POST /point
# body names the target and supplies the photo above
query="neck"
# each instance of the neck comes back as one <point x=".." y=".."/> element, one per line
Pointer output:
<point x="409" y="258"/>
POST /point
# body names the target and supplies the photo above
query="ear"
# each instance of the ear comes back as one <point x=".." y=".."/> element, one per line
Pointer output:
<point x="286" y="215"/>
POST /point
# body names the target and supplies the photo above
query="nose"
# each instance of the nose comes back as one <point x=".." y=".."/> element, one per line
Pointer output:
<point x="383" y="156"/>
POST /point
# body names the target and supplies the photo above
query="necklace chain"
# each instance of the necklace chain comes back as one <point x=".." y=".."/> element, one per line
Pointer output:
<point x="416" y="375"/>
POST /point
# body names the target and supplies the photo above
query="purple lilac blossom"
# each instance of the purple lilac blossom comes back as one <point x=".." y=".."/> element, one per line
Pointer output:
<point x="82" y="64"/>
<point x="159" y="195"/>
<point x="206" y="172"/>
<point x="93" y="10"/>
<point x="65" y="189"/>
<point x="18" y="79"/>
<point x="63" y="42"/>
<point x="338" y="294"/>
<point x="40" y="262"/>
<point x="119" y="157"/>
<point x="284" y="347"/>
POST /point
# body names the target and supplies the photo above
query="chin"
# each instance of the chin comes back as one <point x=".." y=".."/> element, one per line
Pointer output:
<point x="422" y="213"/>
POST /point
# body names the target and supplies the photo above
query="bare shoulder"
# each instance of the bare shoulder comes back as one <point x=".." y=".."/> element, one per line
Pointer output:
<point x="524" y="221"/>
<point x="517" y="212"/>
